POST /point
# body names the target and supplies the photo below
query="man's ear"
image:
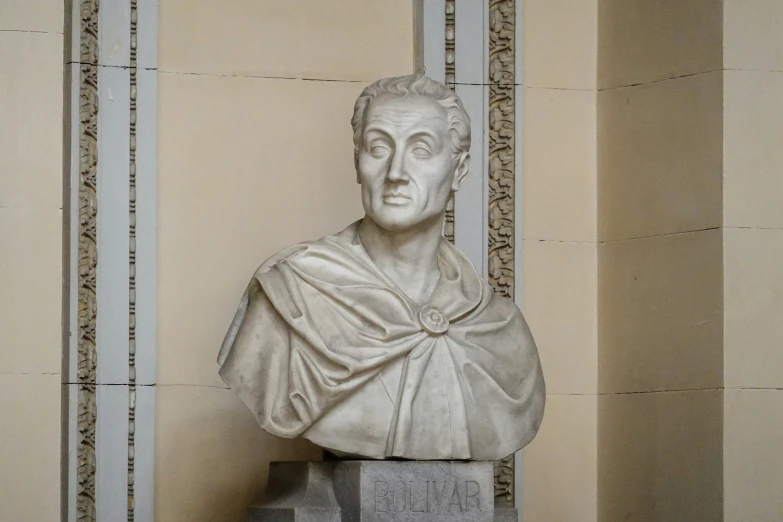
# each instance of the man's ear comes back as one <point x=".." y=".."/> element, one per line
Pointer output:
<point x="461" y="172"/>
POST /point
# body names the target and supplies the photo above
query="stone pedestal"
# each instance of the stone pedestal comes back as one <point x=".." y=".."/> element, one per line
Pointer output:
<point x="297" y="492"/>
<point x="421" y="491"/>
<point x="380" y="491"/>
<point x="506" y="514"/>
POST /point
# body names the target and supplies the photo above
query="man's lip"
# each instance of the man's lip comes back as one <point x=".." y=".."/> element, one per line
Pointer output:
<point x="396" y="200"/>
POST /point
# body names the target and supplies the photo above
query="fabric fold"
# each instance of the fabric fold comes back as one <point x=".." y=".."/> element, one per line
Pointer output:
<point x="321" y="329"/>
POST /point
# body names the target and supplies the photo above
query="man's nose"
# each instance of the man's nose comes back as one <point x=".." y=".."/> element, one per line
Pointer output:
<point x="396" y="172"/>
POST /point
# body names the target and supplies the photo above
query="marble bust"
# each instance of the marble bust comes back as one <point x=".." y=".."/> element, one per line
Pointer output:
<point x="382" y="340"/>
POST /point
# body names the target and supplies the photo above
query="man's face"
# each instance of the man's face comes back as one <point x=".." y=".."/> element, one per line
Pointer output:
<point x="406" y="164"/>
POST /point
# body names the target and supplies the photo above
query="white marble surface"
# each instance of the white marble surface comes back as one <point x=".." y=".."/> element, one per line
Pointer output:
<point x="382" y="340"/>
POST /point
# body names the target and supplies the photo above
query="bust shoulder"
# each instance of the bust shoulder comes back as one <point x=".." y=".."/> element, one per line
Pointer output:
<point x="288" y="253"/>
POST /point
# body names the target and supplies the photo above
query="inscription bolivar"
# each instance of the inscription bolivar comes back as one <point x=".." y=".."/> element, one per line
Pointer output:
<point x="430" y="496"/>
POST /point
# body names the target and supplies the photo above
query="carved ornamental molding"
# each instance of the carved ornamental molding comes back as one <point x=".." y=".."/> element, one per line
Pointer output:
<point x="112" y="219"/>
<point x="450" y="61"/>
<point x="87" y="261"/>
<point x="133" y="71"/>
<point x="502" y="25"/>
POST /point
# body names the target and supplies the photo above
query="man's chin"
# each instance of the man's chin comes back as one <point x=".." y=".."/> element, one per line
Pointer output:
<point x="397" y="224"/>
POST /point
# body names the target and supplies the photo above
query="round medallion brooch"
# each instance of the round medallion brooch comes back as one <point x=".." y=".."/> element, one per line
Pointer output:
<point x="433" y="320"/>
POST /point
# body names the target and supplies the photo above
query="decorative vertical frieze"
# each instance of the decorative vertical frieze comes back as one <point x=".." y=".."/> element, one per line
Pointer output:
<point x="113" y="63"/>
<point x="501" y="146"/>
<point x="450" y="61"/>
<point x="132" y="263"/>
<point x="87" y="255"/>
<point x="502" y="21"/>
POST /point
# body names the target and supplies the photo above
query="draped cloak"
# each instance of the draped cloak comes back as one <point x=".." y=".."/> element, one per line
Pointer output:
<point x="326" y="347"/>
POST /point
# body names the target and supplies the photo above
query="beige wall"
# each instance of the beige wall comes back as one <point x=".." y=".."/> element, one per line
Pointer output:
<point x="31" y="267"/>
<point x="653" y="217"/>
<point x="255" y="149"/>
<point x="753" y="259"/>
<point x="660" y="261"/>
<point x="560" y="252"/>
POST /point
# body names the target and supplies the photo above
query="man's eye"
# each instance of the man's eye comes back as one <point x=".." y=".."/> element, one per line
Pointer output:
<point x="421" y="152"/>
<point x="378" y="150"/>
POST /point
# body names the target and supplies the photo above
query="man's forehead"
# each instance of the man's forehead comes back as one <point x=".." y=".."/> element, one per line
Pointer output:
<point x="405" y="111"/>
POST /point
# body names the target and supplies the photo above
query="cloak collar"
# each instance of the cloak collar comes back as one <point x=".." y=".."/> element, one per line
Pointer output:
<point x="457" y="293"/>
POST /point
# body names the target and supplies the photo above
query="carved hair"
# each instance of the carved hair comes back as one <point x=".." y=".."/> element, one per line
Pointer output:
<point x="415" y="85"/>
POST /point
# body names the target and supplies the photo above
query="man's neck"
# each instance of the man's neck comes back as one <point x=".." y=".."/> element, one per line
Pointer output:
<point x="408" y="258"/>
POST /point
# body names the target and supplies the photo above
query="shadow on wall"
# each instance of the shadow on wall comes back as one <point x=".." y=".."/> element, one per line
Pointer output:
<point x="213" y="458"/>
